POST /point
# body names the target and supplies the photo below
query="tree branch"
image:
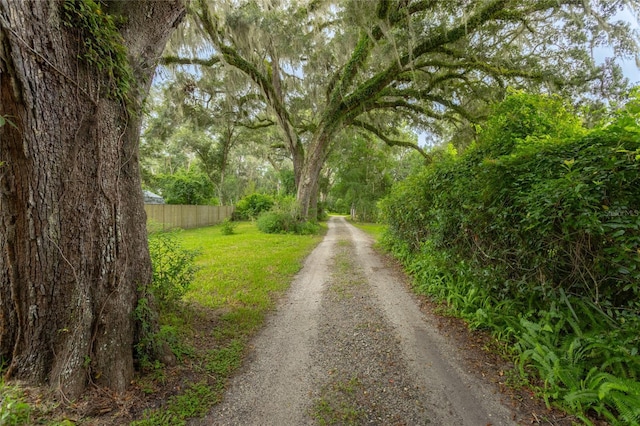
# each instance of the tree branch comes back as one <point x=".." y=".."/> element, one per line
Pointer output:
<point x="176" y="60"/>
<point x="371" y="88"/>
<point x="254" y="126"/>
<point x="390" y="142"/>
<point x="233" y="58"/>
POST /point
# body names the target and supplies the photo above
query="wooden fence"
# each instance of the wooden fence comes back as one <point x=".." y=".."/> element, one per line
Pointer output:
<point x="182" y="216"/>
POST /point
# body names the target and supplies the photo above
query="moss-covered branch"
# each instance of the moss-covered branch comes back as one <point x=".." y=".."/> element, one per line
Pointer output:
<point x="390" y="142"/>
<point x="177" y="60"/>
<point x="393" y="105"/>
<point x="370" y="90"/>
<point x="342" y="81"/>
<point x="256" y="125"/>
<point x="232" y="57"/>
<point x="475" y="21"/>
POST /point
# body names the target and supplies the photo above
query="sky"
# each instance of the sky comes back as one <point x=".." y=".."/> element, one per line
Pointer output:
<point x="629" y="66"/>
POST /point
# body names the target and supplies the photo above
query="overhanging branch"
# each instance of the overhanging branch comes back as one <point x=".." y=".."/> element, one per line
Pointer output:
<point x="390" y="142"/>
<point x="177" y="60"/>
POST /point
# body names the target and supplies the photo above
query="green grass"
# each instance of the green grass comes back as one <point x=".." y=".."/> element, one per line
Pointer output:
<point x="245" y="269"/>
<point x="338" y="405"/>
<point x="193" y="402"/>
<point x="374" y="229"/>
<point x="240" y="277"/>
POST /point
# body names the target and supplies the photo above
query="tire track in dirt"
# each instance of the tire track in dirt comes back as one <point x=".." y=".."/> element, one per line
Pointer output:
<point x="454" y="396"/>
<point x="349" y="344"/>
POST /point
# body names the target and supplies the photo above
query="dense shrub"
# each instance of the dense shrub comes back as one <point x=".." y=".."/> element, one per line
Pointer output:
<point x="284" y="218"/>
<point x="190" y="187"/>
<point x="173" y="267"/>
<point x="281" y="222"/>
<point x="251" y="206"/>
<point x="554" y="213"/>
<point x="534" y="232"/>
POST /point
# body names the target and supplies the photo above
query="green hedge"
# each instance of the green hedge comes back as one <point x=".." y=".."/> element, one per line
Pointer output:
<point x="534" y="233"/>
<point x="537" y="209"/>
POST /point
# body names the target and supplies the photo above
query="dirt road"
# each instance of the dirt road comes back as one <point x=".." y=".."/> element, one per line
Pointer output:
<point x="349" y="345"/>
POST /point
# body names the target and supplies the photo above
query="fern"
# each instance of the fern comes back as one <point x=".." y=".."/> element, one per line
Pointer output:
<point x="605" y="393"/>
<point x="624" y="395"/>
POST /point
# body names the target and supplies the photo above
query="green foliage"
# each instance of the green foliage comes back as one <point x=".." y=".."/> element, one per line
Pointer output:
<point x="228" y="226"/>
<point x="173" y="272"/>
<point x="194" y="402"/>
<point x="534" y="233"/>
<point x="102" y="45"/>
<point x="284" y="218"/>
<point x="14" y="410"/>
<point x="190" y="187"/>
<point x="362" y="177"/>
<point x="288" y="181"/>
<point x="148" y="344"/>
<point x="173" y="267"/>
<point x="627" y="120"/>
<point x="251" y="206"/>
<point x="276" y="222"/>
<point x="523" y="119"/>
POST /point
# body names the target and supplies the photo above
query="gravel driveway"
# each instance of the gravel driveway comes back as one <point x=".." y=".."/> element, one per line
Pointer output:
<point x="349" y="345"/>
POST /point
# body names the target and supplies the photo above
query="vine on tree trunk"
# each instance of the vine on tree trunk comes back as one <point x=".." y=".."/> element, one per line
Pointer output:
<point x="103" y="45"/>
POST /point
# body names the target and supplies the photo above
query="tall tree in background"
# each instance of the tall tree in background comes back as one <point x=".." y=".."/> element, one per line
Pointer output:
<point x="73" y="249"/>
<point x="362" y="174"/>
<point x="321" y="66"/>
<point x="205" y="117"/>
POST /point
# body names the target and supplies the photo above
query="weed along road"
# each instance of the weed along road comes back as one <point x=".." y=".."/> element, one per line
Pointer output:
<point x="349" y="345"/>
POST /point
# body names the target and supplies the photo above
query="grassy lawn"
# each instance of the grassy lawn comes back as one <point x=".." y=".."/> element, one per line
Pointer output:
<point x="243" y="270"/>
<point x="241" y="277"/>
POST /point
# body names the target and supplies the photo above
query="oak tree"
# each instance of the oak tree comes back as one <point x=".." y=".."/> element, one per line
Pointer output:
<point x="321" y="66"/>
<point x="73" y="249"/>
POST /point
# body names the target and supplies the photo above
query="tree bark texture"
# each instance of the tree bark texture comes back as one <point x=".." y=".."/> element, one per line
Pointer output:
<point x="73" y="248"/>
<point x="309" y="174"/>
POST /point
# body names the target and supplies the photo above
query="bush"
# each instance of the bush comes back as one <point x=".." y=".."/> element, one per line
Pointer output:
<point x="541" y="213"/>
<point x="534" y="232"/>
<point x="278" y="222"/>
<point x="228" y="226"/>
<point x="284" y="218"/>
<point x="189" y="187"/>
<point x="173" y="267"/>
<point x="251" y="206"/>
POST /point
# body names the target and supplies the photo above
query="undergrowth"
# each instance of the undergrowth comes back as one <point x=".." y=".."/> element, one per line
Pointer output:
<point x="284" y="218"/>
<point x="14" y="408"/>
<point x="534" y="234"/>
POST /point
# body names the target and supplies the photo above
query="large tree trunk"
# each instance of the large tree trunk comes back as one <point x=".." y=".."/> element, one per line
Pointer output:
<point x="309" y="175"/>
<point x="72" y="224"/>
